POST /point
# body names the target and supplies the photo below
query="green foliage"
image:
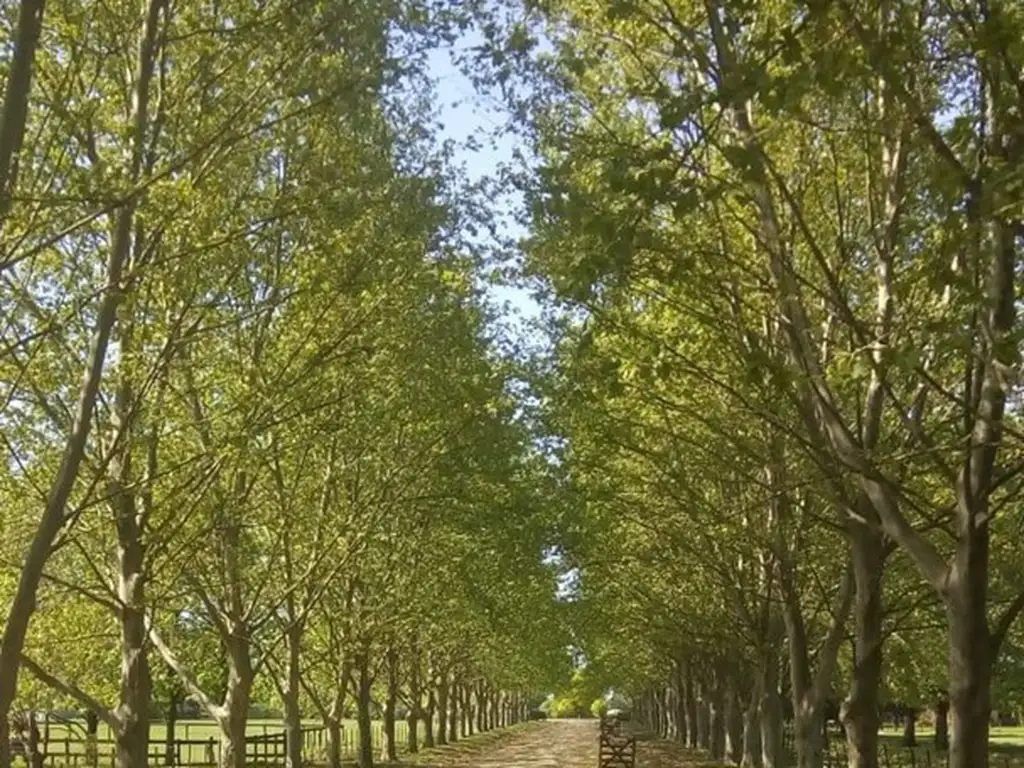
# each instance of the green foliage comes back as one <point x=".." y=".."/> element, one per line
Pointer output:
<point x="304" y="436"/>
<point x="756" y="239"/>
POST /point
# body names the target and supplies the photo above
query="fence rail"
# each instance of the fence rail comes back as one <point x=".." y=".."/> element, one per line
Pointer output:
<point x="261" y="749"/>
<point x="894" y="756"/>
<point x="616" y="749"/>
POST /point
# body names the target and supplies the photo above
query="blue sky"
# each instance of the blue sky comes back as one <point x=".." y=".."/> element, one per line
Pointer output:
<point x="466" y="115"/>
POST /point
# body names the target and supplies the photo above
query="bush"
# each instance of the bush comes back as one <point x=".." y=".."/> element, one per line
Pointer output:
<point x="568" y="706"/>
<point x="599" y="708"/>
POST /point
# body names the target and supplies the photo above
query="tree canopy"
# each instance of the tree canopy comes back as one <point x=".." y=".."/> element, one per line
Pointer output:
<point x="269" y="445"/>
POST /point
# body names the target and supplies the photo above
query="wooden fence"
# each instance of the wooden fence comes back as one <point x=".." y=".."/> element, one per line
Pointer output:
<point x="616" y="749"/>
<point x="265" y="749"/>
<point x="893" y="756"/>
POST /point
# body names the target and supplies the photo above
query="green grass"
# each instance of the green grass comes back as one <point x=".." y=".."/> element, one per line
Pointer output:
<point x="1006" y="735"/>
<point x="1006" y="747"/>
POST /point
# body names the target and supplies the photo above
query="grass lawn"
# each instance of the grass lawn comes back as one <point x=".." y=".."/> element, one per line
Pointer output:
<point x="1006" y="747"/>
<point x="1008" y="735"/>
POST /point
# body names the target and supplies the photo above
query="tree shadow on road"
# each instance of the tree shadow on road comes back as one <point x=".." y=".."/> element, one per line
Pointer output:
<point x="465" y="751"/>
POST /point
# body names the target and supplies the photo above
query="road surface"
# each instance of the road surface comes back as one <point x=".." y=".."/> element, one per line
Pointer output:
<point x="548" y="744"/>
<point x="553" y="744"/>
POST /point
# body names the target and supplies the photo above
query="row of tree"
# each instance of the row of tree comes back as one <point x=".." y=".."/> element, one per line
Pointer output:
<point x="781" y="245"/>
<point x="259" y="442"/>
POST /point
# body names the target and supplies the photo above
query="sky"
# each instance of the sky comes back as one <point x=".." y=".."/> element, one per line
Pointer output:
<point x="465" y="115"/>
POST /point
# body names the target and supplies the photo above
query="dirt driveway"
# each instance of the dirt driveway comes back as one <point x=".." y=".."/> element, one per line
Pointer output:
<point x="548" y="744"/>
<point x="551" y="744"/>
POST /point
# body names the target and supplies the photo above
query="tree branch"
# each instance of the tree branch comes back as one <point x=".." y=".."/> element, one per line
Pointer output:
<point x="1010" y="615"/>
<point x="72" y="691"/>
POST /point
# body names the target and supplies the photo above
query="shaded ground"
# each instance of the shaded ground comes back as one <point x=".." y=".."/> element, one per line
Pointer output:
<point x="667" y="754"/>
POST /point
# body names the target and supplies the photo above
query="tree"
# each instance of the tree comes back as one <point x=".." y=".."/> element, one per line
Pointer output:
<point x="697" y="166"/>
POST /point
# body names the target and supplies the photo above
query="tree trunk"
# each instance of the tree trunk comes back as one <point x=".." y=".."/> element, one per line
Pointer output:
<point x="92" y="727"/>
<point x="942" y="724"/>
<point x="481" y="707"/>
<point x="236" y="703"/>
<point x="290" y="697"/>
<point x="664" y="714"/>
<point x="716" y="704"/>
<point x="16" y="98"/>
<point x="412" y="741"/>
<point x="682" y="730"/>
<point x="428" y="731"/>
<point x="910" y="727"/>
<point x="415" y="705"/>
<point x="363" y="715"/>
<point x="703" y="718"/>
<point x="170" y="736"/>
<point x="32" y="751"/>
<point x="494" y="710"/>
<point x="668" y="707"/>
<point x="808" y="728"/>
<point x="859" y="713"/>
<point x="970" y="664"/>
<point x="809" y="689"/>
<point x="453" y="715"/>
<point x="333" y="718"/>
<point x="468" y="710"/>
<point x="136" y="686"/>
<point x="751" y="757"/>
<point x="770" y="711"/>
<point x="692" y="710"/>
<point x="389" y="750"/>
<point x="334" y="735"/>
<point x="733" y="725"/>
<point x="442" y="708"/>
